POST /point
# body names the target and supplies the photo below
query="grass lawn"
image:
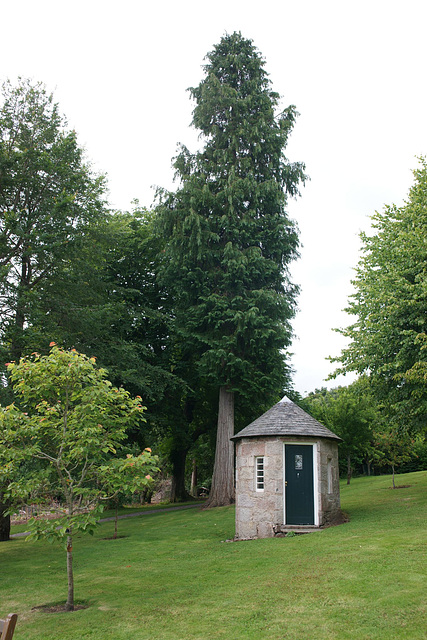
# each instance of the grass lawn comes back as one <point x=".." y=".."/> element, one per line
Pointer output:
<point x="126" y="511"/>
<point x="172" y="577"/>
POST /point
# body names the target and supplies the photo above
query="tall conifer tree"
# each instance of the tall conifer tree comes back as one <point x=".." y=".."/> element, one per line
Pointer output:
<point x="230" y="240"/>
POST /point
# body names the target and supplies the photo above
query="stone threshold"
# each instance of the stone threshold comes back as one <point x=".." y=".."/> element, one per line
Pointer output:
<point x="284" y="529"/>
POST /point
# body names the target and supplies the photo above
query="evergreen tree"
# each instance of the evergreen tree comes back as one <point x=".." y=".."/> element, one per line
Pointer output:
<point x="230" y="241"/>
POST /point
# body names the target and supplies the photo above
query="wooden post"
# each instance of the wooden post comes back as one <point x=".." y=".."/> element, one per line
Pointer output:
<point x="7" y="626"/>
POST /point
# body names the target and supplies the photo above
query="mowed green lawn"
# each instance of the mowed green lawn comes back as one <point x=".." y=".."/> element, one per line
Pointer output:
<point x="174" y="577"/>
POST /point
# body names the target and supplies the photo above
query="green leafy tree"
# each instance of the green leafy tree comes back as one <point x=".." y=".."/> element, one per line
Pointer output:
<point x="388" y="337"/>
<point x="121" y="477"/>
<point x="69" y="420"/>
<point x="188" y="417"/>
<point x="351" y="413"/>
<point x="417" y="374"/>
<point x="230" y="241"/>
<point x="136" y="341"/>
<point x="125" y="324"/>
<point x="394" y="449"/>
<point x="48" y="198"/>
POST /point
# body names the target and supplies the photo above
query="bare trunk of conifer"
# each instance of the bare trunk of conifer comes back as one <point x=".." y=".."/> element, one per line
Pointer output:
<point x="222" y="491"/>
<point x="69" y="606"/>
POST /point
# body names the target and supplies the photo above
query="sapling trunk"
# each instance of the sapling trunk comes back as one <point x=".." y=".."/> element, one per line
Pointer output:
<point x="116" y="518"/>
<point x="69" y="606"/>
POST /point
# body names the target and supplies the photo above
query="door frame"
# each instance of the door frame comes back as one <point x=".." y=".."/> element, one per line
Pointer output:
<point x="315" y="478"/>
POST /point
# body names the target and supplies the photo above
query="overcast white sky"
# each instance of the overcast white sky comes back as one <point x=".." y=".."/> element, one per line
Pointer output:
<point x="355" y="71"/>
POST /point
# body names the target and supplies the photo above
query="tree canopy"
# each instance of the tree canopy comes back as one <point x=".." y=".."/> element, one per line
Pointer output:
<point x="48" y="198"/>
<point x="388" y="337"/>
<point x="351" y="413"/>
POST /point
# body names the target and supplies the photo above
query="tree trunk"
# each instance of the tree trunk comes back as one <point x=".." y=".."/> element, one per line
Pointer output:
<point x="178" y="459"/>
<point x="146" y="496"/>
<point x="392" y="467"/>
<point x="193" y="489"/>
<point x="4" y="520"/>
<point x="70" y="599"/>
<point x="15" y="355"/>
<point x="20" y="310"/>
<point x="222" y="491"/>
<point x="348" y="469"/>
<point x="116" y="518"/>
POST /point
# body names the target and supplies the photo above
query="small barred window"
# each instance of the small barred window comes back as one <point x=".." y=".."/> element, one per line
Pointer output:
<point x="259" y="473"/>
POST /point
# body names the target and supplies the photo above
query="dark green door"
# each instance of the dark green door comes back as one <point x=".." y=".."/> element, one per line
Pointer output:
<point x="299" y="486"/>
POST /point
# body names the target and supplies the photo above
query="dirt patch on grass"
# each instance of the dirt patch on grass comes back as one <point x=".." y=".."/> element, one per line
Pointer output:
<point x="59" y="607"/>
<point x="401" y="486"/>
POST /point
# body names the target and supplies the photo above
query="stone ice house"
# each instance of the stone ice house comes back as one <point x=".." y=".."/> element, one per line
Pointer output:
<point x="286" y="474"/>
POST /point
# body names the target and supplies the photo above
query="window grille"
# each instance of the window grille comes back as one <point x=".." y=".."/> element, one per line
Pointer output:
<point x="259" y="473"/>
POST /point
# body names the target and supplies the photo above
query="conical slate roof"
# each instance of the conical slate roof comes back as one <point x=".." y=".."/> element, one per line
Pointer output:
<point x="285" y="419"/>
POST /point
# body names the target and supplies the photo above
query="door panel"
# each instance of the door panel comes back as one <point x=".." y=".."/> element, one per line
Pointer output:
<point x="299" y="484"/>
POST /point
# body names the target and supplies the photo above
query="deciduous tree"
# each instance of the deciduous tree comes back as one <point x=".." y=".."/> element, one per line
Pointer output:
<point x="68" y="420"/>
<point x="49" y="196"/>
<point x="387" y="338"/>
<point x="121" y="477"/>
<point x="351" y="413"/>
<point x="394" y="448"/>
<point x="49" y="199"/>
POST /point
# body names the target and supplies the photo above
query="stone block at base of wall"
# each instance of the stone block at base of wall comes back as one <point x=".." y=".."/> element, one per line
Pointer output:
<point x="246" y="531"/>
<point x="265" y="530"/>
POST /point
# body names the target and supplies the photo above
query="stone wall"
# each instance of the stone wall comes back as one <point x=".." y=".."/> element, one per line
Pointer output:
<point x="329" y="487"/>
<point x="259" y="512"/>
